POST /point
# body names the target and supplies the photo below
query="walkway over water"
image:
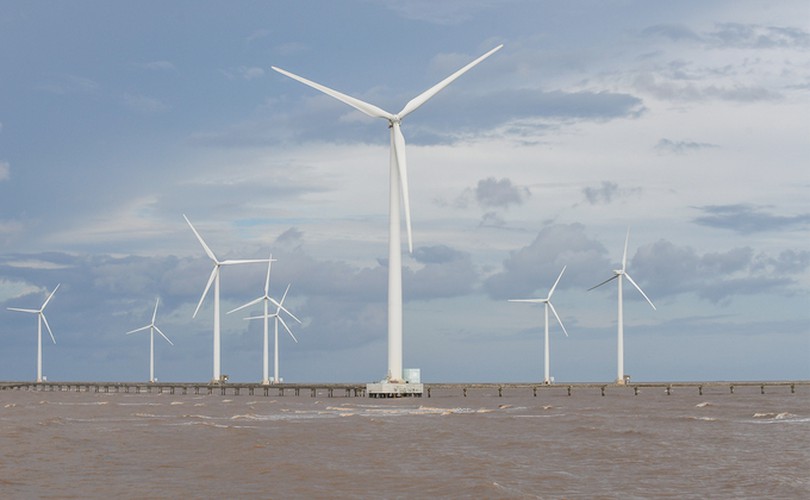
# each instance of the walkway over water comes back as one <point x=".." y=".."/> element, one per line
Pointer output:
<point x="444" y="389"/>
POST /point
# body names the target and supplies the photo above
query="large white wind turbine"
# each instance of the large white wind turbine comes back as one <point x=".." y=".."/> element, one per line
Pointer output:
<point x="548" y="305"/>
<point x="40" y="319"/>
<point x="267" y="299"/>
<point x="214" y="278"/>
<point x="398" y="189"/>
<point x="152" y="327"/>
<point x="619" y="274"/>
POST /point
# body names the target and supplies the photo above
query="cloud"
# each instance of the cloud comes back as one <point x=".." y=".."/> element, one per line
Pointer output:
<point x="155" y="65"/>
<point x="492" y="219"/>
<point x="747" y="219"/>
<point x="606" y="193"/>
<point x="5" y="170"/>
<point x="675" y="32"/>
<point x="756" y="36"/>
<point x="447" y="272"/>
<point x="491" y="192"/>
<point x="680" y="147"/>
<point x="290" y="48"/>
<point x="716" y="276"/>
<point x="449" y="12"/>
<point x="734" y="35"/>
<point x="144" y="104"/>
<point x="244" y="73"/>
<point x="250" y="73"/>
<point x="536" y="266"/>
<point x="454" y="116"/>
<point x="69" y="84"/>
<point x="690" y="91"/>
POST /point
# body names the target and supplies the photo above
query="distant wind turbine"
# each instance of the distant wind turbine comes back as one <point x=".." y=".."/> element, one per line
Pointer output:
<point x="618" y="274"/>
<point x="40" y="319"/>
<point x="214" y="278"/>
<point x="152" y="327"/>
<point x="267" y="299"/>
<point x="548" y="305"/>
<point x="398" y="189"/>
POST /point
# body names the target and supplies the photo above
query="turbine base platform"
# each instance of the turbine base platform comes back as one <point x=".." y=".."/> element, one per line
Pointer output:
<point x="394" y="390"/>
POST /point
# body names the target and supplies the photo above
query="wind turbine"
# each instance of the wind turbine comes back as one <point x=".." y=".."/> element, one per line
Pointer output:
<point x="40" y="319"/>
<point x="548" y="305"/>
<point x="618" y="274"/>
<point x="267" y="299"/>
<point x="152" y="327"/>
<point x="398" y="189"/>
<point x="214" y="278"/>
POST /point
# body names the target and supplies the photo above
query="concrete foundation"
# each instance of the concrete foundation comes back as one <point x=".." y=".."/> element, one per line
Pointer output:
<point x="394" y="390"/>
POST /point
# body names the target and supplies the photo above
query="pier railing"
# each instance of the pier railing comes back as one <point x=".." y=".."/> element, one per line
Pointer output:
<point x="430" y="389"/>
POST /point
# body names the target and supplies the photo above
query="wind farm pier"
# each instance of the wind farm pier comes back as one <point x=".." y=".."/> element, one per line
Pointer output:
<point x="430" y="389"/>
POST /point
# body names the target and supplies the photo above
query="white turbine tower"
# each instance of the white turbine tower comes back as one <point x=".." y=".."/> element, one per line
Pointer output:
<point x="40" y="319"/>
<point x="548" y="305"/>
<point x="152" y="327"/>
<point x="267" y="299"/>
<point x="398" y="189"/>
<point x="619" y="274"/>
<point x="214" y="278"/>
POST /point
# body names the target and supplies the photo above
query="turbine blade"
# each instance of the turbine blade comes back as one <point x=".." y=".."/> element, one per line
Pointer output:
<point x="606" y="281"/>
<point x="532" y="301"/>
<point x="205" y="292"/>
<point x="402" y="169"/>
<point x="45" y="320"/>
<point x="640" y="290"/>
<point x="281" y="307"/>
<point x="555" y="283"/>
<point x="202" y="242"/>
<point x="49" y="298"/>
<point x="369" y="109"/>
<point x="287" y="328"/>
<point x="267" y="281"/>
<point x="422" y="98"/>
<point x="138" y="330"/>
<point x="243" y="306"/>
<point x="164" y="335"/>
<point x="154" y="314"/>
<point x="32" y="311"/>
<point x="259" y="317"/>
<point x="624" y="256"/>
<point x="242" y="261"/>
<point x="558" y="318"/>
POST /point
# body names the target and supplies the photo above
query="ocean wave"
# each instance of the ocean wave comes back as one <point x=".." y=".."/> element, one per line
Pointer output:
<point x="64" y="403"/>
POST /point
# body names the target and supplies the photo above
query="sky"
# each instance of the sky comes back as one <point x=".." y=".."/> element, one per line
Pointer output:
<point x="685" y="122"/>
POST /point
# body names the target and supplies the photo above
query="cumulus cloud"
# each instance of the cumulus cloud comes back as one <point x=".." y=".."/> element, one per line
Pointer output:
<point x="536" y="266"/>
<point x="747" y="219"/>
<point x="607" y="193"/>
<point x="491" y="192"/>
<point x="680" y="147"/>
<point x="717" y="276"/>
<point x="5" y="170"/>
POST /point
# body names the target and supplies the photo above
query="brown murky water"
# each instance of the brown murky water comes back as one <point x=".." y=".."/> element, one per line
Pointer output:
<point x="88" y="445"/>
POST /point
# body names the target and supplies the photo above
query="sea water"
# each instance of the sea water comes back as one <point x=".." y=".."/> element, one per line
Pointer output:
<point x="684" y="445"/>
